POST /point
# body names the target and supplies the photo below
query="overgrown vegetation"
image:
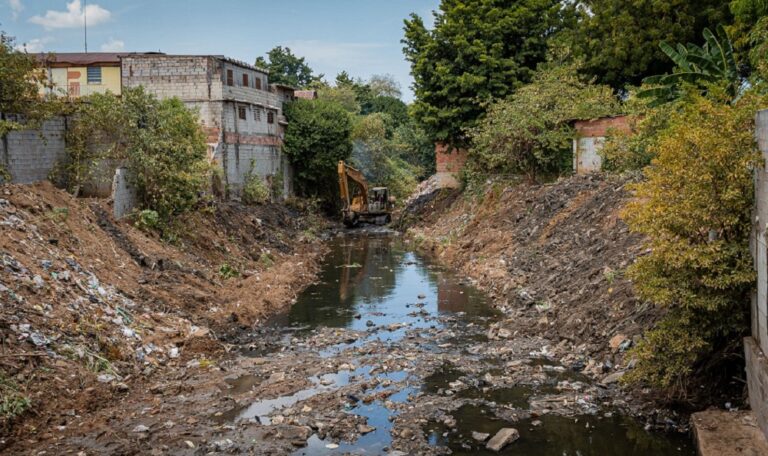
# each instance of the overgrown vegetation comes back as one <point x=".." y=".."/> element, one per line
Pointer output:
<point x="12" y="402"/>
<point x="695" y="207"/>
<point x="160" y="141"/>
<point x="21" y="79"/>
<point x="530" y="133"/>
<point x="255" y="191"/>
<point x="318" y="135"/>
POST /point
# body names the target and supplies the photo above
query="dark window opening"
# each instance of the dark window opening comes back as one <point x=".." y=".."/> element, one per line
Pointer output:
<point x="230" y="78"/>
<point x="258" y="83"/>
<point x="257" y="114"/>
<point x="241" y="112"/>
<point x="245" y="80"/>
<point x="94" y="75"/>
<point x="270" y="117"/>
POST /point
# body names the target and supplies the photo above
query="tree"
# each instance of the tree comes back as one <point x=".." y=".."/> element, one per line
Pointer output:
<point x="384" y="85"/>
<point x="712" y="64"/>
<point x="318" y="135"/>
<point x="529" y="133"/>
<point x="286" y="68"/>
<point x="21" y="78"/>
<point x="478" y="50"/>
<point x="694" y="208"/>
<point x="619" y="39"/>
<point x="746" y="15"/>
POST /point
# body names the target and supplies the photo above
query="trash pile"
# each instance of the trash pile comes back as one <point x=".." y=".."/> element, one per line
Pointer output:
<point x="91" y="306"/>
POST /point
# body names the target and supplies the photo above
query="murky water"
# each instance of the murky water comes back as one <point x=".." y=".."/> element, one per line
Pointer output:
<point x="372" y="282"/>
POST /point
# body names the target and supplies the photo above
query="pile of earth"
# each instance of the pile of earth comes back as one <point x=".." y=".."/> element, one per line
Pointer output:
<point x="553" y="258"/>
<point x="93" y="307"/>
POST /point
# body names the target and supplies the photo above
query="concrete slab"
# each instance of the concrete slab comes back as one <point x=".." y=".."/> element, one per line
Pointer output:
<point x="721" y="433"/>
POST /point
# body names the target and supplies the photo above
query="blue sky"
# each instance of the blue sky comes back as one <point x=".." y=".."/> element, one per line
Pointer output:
<point x="360" y="36"/>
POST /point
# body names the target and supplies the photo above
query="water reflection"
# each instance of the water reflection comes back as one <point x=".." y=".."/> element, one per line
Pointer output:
<point x="373" y="281"/>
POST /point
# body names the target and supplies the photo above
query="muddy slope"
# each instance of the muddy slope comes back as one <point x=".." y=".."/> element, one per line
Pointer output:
<point x="553" y="256"/>
<point x="91" y="307"/>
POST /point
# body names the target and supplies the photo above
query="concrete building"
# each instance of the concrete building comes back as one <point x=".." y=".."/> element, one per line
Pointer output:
<point x="241" y="112"/>
<point x="590" y="137"/>
<point x="80" y="74"/>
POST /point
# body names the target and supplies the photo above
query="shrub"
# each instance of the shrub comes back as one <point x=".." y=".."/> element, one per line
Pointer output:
<point x="255" y="191"/>
<point x="226" y="271"/>
<point x="147" y="220"/>
<point x="161" y="142"/>
<point x="695" y="208"/>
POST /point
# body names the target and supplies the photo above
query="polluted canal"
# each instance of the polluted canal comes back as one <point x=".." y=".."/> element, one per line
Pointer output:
<point x="387" y="353"/>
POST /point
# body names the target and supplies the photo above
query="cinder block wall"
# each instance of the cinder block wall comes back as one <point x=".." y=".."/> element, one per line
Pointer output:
<point x="30" y="155"/>
<point x="756" y="346"/>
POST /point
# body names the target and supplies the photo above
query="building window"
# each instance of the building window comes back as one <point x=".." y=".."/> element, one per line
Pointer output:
<point x="245" y="80"/>
<point x="241" y="112"/>
<point x="258" y="83"/>
<point x="257" y="114"/>
<point x="270" y="117"/>
<point x="94" y="75"/>
<point x="230" y="78"/>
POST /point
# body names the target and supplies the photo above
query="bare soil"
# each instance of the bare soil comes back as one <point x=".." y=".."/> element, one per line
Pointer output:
<point x="93" y="310"/>
<point x="552" y="256"/>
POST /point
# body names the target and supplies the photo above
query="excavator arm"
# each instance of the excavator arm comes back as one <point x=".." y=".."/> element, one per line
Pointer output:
<point x="357" y="203"/>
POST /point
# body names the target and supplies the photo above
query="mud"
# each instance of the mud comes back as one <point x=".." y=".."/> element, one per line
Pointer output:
<point x="386" y="353"/>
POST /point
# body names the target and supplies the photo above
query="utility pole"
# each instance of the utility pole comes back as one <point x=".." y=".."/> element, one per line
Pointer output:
<point x="85" y="26"/>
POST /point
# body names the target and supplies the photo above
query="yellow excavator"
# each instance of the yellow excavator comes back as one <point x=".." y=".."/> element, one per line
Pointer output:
<point x="361" y="204"/>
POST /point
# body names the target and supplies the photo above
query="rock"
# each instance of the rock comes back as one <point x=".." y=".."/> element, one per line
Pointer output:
<point x="223" y="445"/>
<point x="613" y="378"/>
<point x="480" y="436"/>
<point x="141" y="428"/>
<point x="370" y="323"/>
<point x="617" y="340"/>
<point x="502" y="438"/>
<point x="365" y="429"/>
<point x="504" y="333"/>
<point x="276" y="377"/>
<point x="105" y="378"/>
<point x="121" y="387"/>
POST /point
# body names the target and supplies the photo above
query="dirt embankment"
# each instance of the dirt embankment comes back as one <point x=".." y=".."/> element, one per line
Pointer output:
<point x="90" y="306"/>
<point x="553" y="257"/>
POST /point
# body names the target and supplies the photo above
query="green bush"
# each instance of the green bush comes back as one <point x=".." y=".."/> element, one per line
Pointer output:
<point x="147" y="220"/>
<point x="255" y="191"/>
<point x="161" y="142"/>
<point x="530" y="133"/>
<point x="227" y="271"/>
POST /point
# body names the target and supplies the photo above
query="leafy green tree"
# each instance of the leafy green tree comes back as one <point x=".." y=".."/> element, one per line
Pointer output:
<point x="694" y="208"/>
<point x="619" y="38"/>
<point x="530" y="133"/>
<point x="712" y="64"/>
<point x="318" y="135"/>
<point x="21" y="79"/>
<point x="286" y="68"/>
<point x="478" y="50"/>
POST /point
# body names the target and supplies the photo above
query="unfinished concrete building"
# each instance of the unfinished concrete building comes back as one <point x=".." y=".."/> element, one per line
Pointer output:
<point x="241" y="112"/>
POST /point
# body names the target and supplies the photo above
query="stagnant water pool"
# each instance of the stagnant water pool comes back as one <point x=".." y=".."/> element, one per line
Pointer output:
<point x="370" y="282"/>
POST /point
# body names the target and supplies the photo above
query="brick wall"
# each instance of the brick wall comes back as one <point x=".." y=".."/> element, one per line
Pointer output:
<point x="600" y="127"/>
<point x="449" y="160"/>
<point x="30" y="155"/>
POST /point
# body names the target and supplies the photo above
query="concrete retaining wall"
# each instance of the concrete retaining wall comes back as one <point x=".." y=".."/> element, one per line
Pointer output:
<point x="30" y="155"/>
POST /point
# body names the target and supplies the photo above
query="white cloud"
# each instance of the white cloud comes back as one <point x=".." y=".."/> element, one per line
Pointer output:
<point x="73" y="17"/>
<point x="16" y="7"/>
<point x="34" y="45"/>
<point x="113" y="45"/>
